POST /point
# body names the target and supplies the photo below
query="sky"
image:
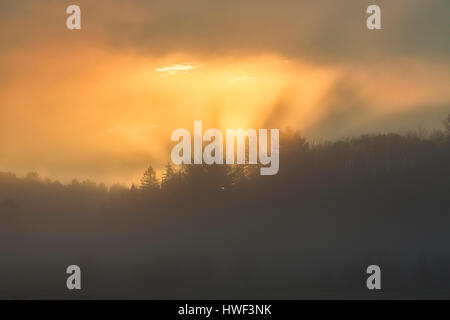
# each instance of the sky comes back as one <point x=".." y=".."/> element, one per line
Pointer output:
<point x="100" y="103"/>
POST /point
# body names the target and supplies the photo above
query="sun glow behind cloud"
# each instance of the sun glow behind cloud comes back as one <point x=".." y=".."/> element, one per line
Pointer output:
<point x="109" y="119"/>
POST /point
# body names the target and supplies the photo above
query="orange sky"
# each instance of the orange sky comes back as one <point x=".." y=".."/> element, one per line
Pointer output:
<point x="78" y="104"/>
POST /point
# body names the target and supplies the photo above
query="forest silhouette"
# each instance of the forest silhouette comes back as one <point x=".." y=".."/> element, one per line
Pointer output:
<point x="226" y="232"/>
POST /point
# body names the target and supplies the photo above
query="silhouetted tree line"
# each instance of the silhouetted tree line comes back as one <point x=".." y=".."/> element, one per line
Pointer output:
<point x="226" y="232"/>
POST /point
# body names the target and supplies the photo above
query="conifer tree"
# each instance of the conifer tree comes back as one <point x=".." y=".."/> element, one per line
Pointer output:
<point x="149" y="181"/>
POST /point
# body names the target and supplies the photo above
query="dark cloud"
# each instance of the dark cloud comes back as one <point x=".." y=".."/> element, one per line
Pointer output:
<point x="348" y="113"/>
<point x="344" y="108"/>
<point x="325" y="30"/>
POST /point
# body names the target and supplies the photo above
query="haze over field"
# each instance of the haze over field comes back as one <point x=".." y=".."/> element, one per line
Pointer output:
<point x="100" y="103"/>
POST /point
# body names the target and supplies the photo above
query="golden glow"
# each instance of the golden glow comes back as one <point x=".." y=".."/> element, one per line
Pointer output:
<point x="107" y="115"/>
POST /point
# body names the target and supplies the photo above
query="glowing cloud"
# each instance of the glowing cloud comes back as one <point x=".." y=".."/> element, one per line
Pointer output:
<point x="177" y="68"/>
